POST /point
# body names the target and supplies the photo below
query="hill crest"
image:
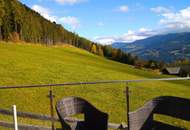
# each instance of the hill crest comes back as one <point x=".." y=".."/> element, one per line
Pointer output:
<point x="168" y="48"/>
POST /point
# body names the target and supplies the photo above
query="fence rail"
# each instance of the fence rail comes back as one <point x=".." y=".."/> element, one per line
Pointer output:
<point x="45" y="118"/>
<point x="95" y="82"/>
<point x="24" y="126"/>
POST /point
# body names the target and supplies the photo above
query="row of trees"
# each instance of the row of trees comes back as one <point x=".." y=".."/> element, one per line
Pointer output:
<point x="121" y="56"/>
<point x="112" y="53"/>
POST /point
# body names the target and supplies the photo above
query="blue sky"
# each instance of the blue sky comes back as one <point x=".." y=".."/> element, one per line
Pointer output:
<point x="107" y="21"/>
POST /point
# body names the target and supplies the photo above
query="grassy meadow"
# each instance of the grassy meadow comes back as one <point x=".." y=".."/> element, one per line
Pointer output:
<point x="27" y="64"/>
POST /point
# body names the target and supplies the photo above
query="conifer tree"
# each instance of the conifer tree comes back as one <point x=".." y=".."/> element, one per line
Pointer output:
<point x="2" y="13"/>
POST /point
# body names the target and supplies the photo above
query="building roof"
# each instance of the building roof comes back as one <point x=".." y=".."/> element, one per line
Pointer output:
<point x="173" y="70"/>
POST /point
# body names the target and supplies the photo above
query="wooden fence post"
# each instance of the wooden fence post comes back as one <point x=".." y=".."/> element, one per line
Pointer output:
<point x="15" y="118"/>
<point x="127" y="103"/>
<point x="51" y="96"/>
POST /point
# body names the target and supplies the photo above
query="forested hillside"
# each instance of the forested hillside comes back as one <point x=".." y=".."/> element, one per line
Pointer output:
<point x="20" y="23"/>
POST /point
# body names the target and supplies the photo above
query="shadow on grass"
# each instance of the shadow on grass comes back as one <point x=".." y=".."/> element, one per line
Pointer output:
<point x="162" y="126"/>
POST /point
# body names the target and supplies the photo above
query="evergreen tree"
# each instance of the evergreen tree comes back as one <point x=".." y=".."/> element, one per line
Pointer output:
<point x="100" y="50"/>
<point x="107" y="51"/>
<point x="2" y="13"/>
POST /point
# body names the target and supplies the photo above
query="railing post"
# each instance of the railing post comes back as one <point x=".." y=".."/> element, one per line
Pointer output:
<point x="127" y="105"/>
<point x="51" y="96"/>
<point x="15" y="118"/>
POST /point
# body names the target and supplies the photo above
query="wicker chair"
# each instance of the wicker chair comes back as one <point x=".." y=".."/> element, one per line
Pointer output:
<point x="142" y="119"/>
<point x="93" y="118"/>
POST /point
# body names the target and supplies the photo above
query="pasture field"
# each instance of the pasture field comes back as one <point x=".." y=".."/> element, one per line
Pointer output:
<point x="27" y="64"/>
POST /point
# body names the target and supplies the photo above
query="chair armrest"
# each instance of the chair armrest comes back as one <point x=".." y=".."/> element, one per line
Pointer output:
<point x="64" y="125"/>
<point x="95" y="119"/>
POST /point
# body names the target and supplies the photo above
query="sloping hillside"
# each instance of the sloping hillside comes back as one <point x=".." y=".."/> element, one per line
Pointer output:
<point x="36" y="64"/>
<point x="20" y="23"/>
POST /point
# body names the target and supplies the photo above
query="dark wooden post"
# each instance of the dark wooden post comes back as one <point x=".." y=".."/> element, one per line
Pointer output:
<point x="127" y="103"/>
<point x="1" y="37"/>
<point x="51" y="96"/>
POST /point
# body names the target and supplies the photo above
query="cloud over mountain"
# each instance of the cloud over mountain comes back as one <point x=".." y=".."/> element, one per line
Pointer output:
<point x="177" y="20"/>
<point x="170" y="21"/>
<point x="71" y="21"/>
<point x="130" y="36"/>
<point x="44" y="12"/>
<point x="71" y="2"/>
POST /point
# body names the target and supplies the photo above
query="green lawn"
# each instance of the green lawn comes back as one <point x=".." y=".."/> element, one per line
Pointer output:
<point x="22" y="64"/>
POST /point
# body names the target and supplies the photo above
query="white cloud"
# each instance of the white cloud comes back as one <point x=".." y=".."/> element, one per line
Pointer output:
<point x="100" y="24"/>
<point x="104" y="40"/>
<point x="160" y="9"/>
<point x="71" y="2"/>
<point x="123" y="8"/>
<point x="171" y="22"/>
<point x="44" y="12"/>
<point x="130" y="36"/>
<point x="176" y="21"/>
<point x="71" y="21"/>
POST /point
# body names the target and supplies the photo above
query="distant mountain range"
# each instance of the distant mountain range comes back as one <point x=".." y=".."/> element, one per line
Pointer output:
<point x="165" y="48"/>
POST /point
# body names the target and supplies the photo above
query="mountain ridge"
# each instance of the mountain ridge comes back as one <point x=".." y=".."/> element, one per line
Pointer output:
<point x="166" y="47"/>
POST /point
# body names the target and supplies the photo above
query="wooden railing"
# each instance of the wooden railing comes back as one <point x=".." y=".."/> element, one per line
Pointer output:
<point x="96" y="82"/>
<point x="142" y="115"/>
<point x="43" y="118"/>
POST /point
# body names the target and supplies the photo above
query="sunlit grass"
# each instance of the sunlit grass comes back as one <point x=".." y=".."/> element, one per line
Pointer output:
<point x="22" y="64"/>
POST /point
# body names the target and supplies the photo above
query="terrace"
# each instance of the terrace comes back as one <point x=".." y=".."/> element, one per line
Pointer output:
<point x="142" y="118"/>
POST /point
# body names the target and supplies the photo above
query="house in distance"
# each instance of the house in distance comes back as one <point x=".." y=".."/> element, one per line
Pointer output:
<point x="171" y="70"/>
<point x="183" y="70"/>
